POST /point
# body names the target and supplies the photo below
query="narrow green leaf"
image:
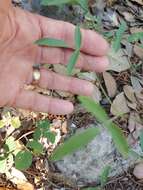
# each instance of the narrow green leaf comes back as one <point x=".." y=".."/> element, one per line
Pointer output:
<point x="94" y="108"/>
<point x="104" y="175"/>
<point x="73" y="59"/>
<point x="135" y="37"/>
<point x="78" y="38"/>
<point x="141" y="139"/>
<point x="36" y="147"/>
<point x="116" y="133"/>
<point x="54" y="2"/>
<point x="119" y="139"/>
<point x="83" y="4"/>
<point x="118" y="37"/>
<point x="23" y="160"/>
<point x="74" y="143"/>
<point x="50" y="136"/>
<point x="51" y="43"/>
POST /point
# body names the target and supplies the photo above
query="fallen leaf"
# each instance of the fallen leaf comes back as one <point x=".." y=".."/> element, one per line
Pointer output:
<point x="138" y="51"/>
<point x="119" y="105"/>
<point x="136" y="83"/>
<point x="118" y="61"/>
<point x="132" y="105"/>
<point x="138" y="171"/>
<point x="110" y="83"/>
<point x="129" y="92"/>
<point x="25" y="186"/>
<point x="132" y="122"/>
<point x="139" y="96"/>
<point x="138" y="1"/>
<point x="90" y="76"/>
<point x="64" y="127"/>
<point x="96" y="95"/>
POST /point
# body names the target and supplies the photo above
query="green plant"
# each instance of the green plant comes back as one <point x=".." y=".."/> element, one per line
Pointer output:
<point x="100" y="114"/>
<point x="74" y="143"/>
<point x="23" y="157"/>
<point x="61" y="44"/>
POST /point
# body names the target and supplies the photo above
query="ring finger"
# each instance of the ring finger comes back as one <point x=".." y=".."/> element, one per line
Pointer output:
<point x="51" y="80"/>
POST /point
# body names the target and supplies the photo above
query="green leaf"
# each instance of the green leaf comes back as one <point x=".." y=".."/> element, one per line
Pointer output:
<point x="92" y="188"/>
<point x="36" y="147"/>
<point x="2" y="124"/>
<point x="141" y="139"/>
<point x="104" y="175"/>
<point x="78" y="38"/>
<point x="119" y="34"/>
<point x="23" y="160"/>
<point x="83" y="4"/>
<point x="94" y="108"/>
<point x="73" y="59"/>
<point x="43" y="124"/>
<point x="116" y="133"/>
<point x="74" y="143"/>
<point x="10" y="142"/>
<point x="135" y="37"/>
<point x="141" y="45"/>
<point x="37" y="134"/>
<point x="15" y="122"/>
<point x="118" y="138"/>
<point x="54" y="2"/>
<point x="51" y="43"/>
<point x="3" y="163"/>
<point x="50" y="136"/>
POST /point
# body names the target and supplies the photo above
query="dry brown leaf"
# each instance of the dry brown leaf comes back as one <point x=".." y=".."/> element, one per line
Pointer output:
<point x="64" y="127"/>
<point x="132" y="105"/>
<point x="119" y="105"/>
<point x="136" y="83"/>
<point x="110" y="83"/>
<point x="138" y="171"/>
<point x="136" y="30"/>
<point x="96" y="95"/>
<point x="133" y="120"/>
<point x="118" y="61"/>
<point x="139" y="96"/>
<point x="129" y="92"/>
<point x="138" y="51"/>
<point x="131" y="123"/>
<point x="25" y="186"/>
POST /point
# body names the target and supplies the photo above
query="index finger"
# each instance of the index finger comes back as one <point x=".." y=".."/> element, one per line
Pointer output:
<point x="92" y="42"/>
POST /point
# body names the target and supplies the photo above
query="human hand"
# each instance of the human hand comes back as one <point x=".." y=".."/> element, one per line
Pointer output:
<point x="19" y="54"/>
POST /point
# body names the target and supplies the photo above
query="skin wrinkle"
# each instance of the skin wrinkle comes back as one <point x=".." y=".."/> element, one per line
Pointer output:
<point x="19" y="54"/>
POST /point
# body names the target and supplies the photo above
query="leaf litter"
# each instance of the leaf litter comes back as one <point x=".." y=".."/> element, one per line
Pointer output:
<point x="125" y="99"/>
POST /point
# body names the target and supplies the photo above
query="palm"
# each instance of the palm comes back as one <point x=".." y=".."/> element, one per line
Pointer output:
<point x="19" y="54"/>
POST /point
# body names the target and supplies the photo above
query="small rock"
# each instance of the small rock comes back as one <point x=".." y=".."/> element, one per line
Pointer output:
<point x="138" y="171"/>
<point x="85" y="165"/>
